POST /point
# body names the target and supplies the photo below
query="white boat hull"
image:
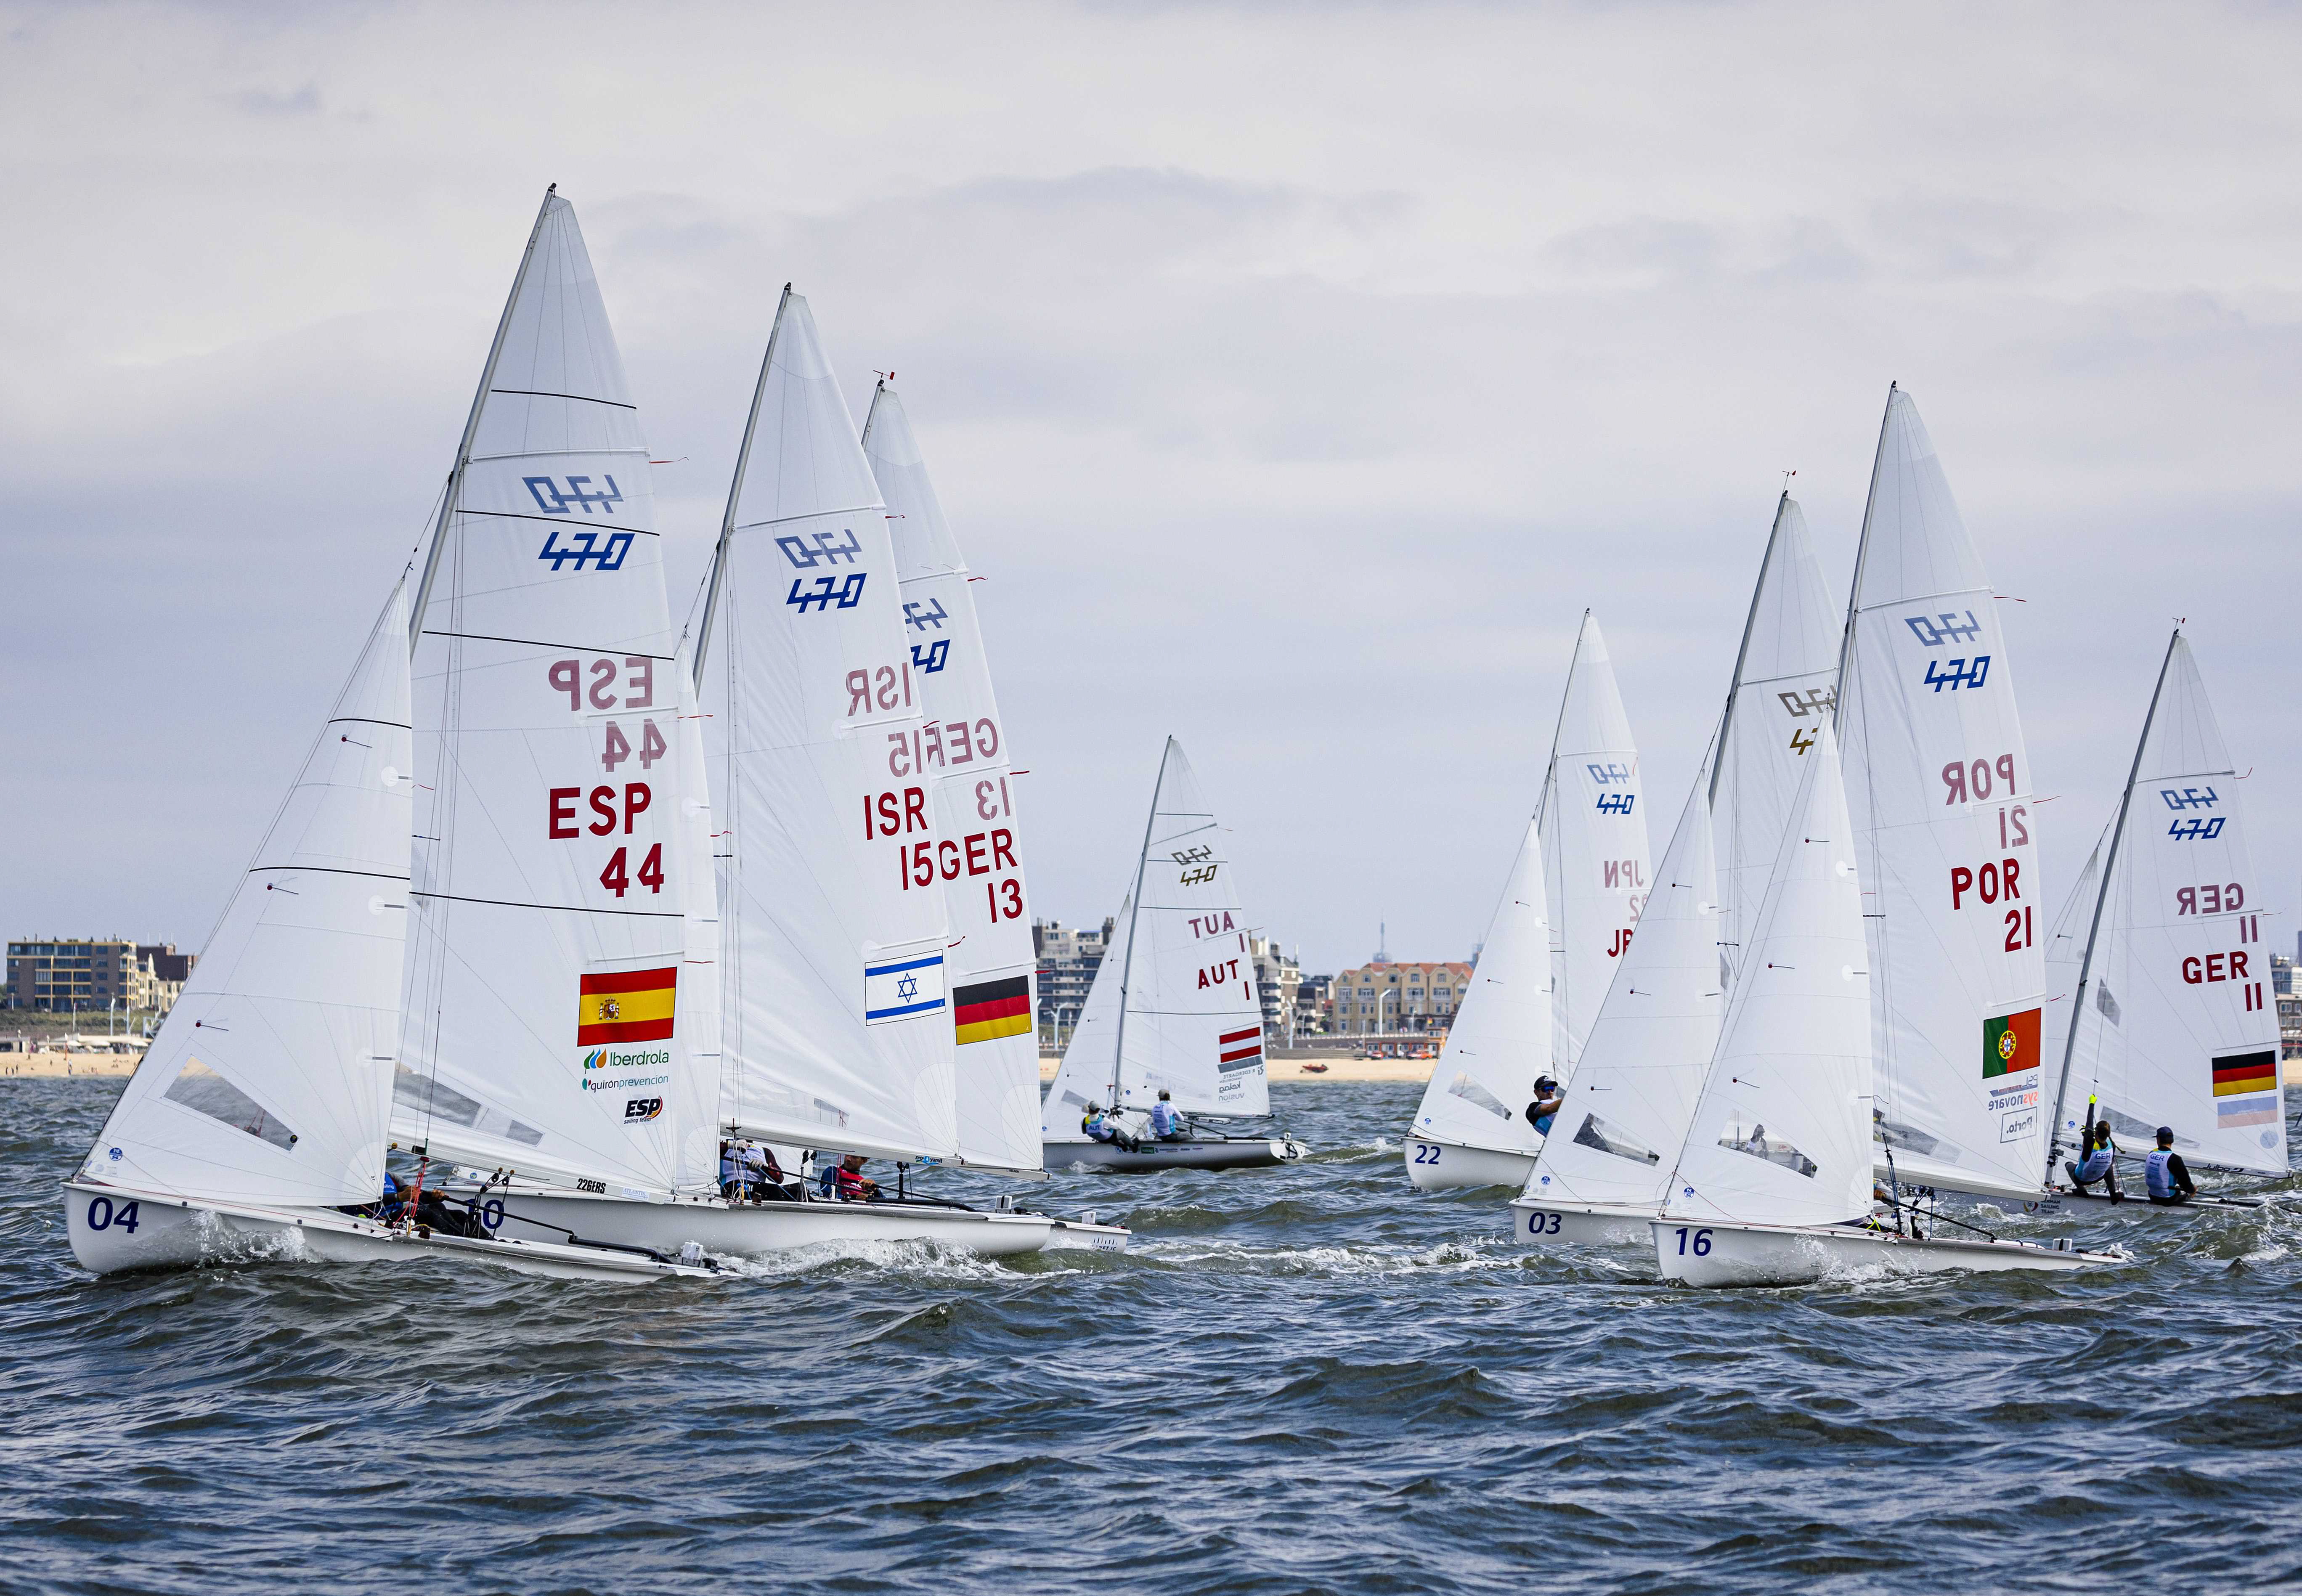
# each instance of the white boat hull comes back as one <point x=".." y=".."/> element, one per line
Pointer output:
<point x="1238" y="1153"/>
<point x="1079" y="1235"/>
<point x="1440" y="1166"/>
<point x="750" y="1228"/>
<point x="116" y="1228"/>
<point x="1543" y="1221"/>
<point x="1756" y="1254"/>
<point x="2205" y="1202"/>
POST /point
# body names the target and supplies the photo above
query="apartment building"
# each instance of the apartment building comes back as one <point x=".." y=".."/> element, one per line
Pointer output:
<point x="1069" y="956"/>
<point x="93" y="973"/>
<point x="1383" y="996"/>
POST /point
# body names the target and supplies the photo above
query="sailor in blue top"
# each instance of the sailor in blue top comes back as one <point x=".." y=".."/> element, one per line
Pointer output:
<point x="2168" y="1177"/>
<point x="1547" y="1099"/>
<point x="1167" y="1124"/>
<point x="2097" y="1161"/>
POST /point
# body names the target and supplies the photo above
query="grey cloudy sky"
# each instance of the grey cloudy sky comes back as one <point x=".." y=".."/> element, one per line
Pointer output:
<point x="1296" y="373"/>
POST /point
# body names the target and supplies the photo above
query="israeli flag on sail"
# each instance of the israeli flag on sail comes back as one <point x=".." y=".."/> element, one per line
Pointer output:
<point x="901" y="989"/>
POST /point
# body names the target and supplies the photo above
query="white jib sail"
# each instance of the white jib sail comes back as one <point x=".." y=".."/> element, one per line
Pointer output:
<point x="1594" y="844"/>
<point x="2178" y="1025"/>
<point x="269" y="1082"/>
<point x="1083" y="1078"/>
<point x="546" y="951"/>
<point x="1782" y="1135"/>
<point x="1187" y="1018"/>
<point x="1627" y="1108"/>
<point x="1784" y="686"/>
<point x="837" y="1028"/>
<point x="1500" y="1039"/>
<point x="2066" y="950"/>
<point x="991" y="960"/>
<point x="1939" y="784"/>
<point x="700" y="1087"/>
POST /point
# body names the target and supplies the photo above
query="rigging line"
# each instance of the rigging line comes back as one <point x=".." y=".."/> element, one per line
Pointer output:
<point x="535" y="643"/>
<point x="322" y="869"/>
<point x="368" y="720"/>
<point x="852" y="510"/>
<point x="1750" y="623"/>
<point x="581" y="399"/>
<point x="449" y="897"/>
<point x="561" y="520"/>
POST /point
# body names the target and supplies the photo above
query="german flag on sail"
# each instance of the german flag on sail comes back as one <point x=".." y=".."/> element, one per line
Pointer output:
<point x="2245" y="1073"/>
<point x="1238" y="1050"/>
<point x="625" y="1005"/>
<point x="991" y="1009"/>
<point x="2010" y="1043"/>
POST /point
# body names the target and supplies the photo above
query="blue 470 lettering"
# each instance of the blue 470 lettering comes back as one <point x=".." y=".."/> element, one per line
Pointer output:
<point x="1611" y="774"/>
<point x="602" y="550"/>
<point x="830" y="591"/>
<point x="1936" y="630"/>
<point x="1961" y="673"/>
<point x="1616" y="803"/>
<point x="806" y="553"/>
<point x="553" y="499"/>
<point x="922" y="615"/>
<point x="2193" y="828"/>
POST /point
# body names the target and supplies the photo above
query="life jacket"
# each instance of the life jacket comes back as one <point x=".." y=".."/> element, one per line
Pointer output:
<point x="850" y="1182"/>
<point x="728" y="1168"/>
<point x="2160" y="1178"/>
<point x="2096" y="1164"/>
<point x="1095" y="1126"/>
<point x="1162" y="1119"/>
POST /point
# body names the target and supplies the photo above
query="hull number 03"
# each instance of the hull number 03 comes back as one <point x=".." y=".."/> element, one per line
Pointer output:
<point x="1701" y="1242"/>
<point x="1543" y="1224"/>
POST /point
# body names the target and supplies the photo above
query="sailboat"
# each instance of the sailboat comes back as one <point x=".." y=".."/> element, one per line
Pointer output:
<point x="1539" y="982"/>
<point x="1634" y="1092"/>
<point x="1172" y="1007"/>
<point x="991" y="958"/>
<point x="562" y="1049"/>
<point x="1772" y="1185"/>
<point x="255" y="1123"/>
<point x="2171" y="1019"/>
<point x="1939" y="785"/>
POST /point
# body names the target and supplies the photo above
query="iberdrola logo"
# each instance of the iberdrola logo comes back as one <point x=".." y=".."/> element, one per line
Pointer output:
<point x="597" y="1059"/>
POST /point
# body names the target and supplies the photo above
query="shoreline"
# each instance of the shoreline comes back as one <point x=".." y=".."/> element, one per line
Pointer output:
<point x="56" y="1063"/>
<point x="1336" y="1068"/>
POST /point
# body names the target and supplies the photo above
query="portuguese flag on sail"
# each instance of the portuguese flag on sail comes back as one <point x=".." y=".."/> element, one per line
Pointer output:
<point x="2010" y="1043"/>
<point x="625" y="1005"/>
<point x="990" y="1009"/>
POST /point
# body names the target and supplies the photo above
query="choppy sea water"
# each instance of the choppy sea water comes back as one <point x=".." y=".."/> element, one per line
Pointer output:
<point x="1311" y="1378"/>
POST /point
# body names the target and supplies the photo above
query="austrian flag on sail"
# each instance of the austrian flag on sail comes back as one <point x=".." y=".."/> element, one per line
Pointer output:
<point x="1239" y="1050"/>
<point x="627" y="1005"/>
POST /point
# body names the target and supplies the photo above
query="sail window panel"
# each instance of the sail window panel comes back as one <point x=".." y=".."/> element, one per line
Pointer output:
<point x="1754" y="1138"/>
<point x="201" y="1089"/>
<point x="1470" y="1091"/>
<point x="1613" y="1139"/>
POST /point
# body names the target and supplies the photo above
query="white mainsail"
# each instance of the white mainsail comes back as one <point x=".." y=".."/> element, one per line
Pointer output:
<point x="2066" y="949"/>
<point x="269" y="1082"/>
<point x="1782" y="1133"/>
<point x="1627" y="1108"/>
<point x="1501" y="1037"/>
<point x="1939" y="785"/>
<point x="1594" y="844"/>
<point x="837" y="1026"/>
<point x="1784" y="686"/>
<point x="550" y="877"/>
<point x="699" y="1087"/>
<point x="1187" y="1019"/>
<point x="2175" y="1020"/>
<point x="991" y="960"/>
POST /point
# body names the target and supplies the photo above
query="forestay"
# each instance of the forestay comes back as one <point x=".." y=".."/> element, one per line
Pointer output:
<point x="1939" y="785"/>
<point x="979" y="861"/>
<point x="1083" y="1078"/>
<point x="2176" y="1022"/>
<point x="1500" y="1039"/>
<point x="269" y="1082"/>
<point x="1784" y="687"/>
<point x="700" y="971"/>
<point x="550" y="881"/>
<point x="1627" y="1108"/>
<point x="1187" y="1019"/>
<point x="836" y="1026"/>
<point x="1782" y="1133"/>
<point x="1594" y="843"/>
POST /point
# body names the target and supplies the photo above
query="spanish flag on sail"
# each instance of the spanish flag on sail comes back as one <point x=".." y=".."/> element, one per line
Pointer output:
<point x="625" y="1005"/>
<point x="989" y="1009"/>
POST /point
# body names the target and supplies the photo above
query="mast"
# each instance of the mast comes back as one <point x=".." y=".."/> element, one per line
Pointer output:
<point x="1134" y="914"/>
<point x="1861" y="553"/>
<point x="2102" y="896"/>
<point x="1551" y="769"/>
<point x="735" y="492"/>
<point x="472" y="427"/>
<point x="1734" y="687"/>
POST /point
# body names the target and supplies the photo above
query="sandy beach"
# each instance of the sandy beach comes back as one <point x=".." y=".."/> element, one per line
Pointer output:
<point x="55" y="1062"/>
